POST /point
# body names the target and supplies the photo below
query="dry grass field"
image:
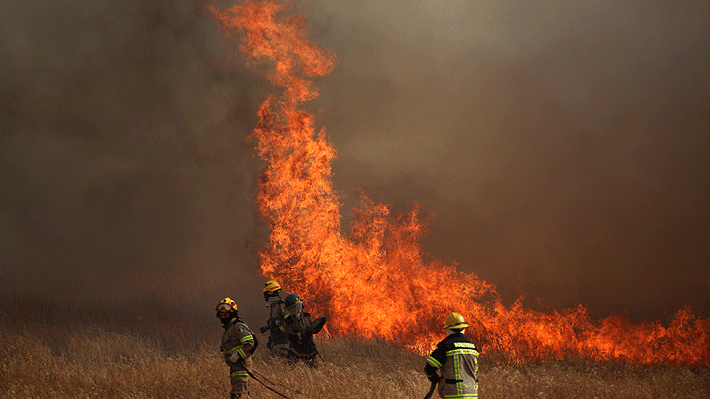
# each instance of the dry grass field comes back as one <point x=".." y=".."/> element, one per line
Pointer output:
<point x="90" y="362"/>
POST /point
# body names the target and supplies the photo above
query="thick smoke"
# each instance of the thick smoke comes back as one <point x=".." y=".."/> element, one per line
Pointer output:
<point x="562" y="147"/>
<point x="126" y="178"/>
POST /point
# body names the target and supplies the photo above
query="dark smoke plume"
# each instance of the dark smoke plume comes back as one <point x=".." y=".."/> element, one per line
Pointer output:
<point x="125" y="173"/>
<point x="563" y="148"/>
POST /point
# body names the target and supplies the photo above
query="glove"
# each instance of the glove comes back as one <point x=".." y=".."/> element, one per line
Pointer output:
<point x="318" y="325"/>
<point x="235" y="358"/>
<point x="435" y="378"/>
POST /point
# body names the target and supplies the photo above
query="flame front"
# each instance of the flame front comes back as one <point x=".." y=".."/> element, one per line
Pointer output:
<point x="373" y="282"/>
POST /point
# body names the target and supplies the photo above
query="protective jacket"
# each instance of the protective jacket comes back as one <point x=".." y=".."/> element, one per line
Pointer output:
<point x="238" y="339"/>
<point x="300" y="330"/>
<point x="457" y="358"/>
<point x="278" y="339"/>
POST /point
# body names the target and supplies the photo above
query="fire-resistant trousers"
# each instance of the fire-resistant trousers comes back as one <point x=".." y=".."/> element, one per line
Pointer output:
<point x="240" y="384"/>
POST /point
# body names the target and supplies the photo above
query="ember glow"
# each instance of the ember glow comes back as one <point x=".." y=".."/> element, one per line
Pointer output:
<point x="372" y="281"/>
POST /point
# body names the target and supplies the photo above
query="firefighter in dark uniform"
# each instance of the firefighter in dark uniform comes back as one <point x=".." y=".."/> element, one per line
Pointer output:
<point x="237" y="344"/>
<point x="300" y="328"/>
<point x="457" y="358"/>
<point x="278" y="340"/>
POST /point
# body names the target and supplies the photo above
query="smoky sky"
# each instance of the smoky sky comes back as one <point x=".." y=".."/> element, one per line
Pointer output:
<point x="125" y="172"/>
<point x="559" y="148"/>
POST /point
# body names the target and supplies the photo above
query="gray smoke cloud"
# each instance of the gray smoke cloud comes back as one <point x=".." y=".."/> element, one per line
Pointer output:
<point x="563" y="148"/>
<point x="125" y="173"/>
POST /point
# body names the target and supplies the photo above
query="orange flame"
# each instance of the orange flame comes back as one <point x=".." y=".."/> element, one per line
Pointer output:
<point x="373" y="282"/>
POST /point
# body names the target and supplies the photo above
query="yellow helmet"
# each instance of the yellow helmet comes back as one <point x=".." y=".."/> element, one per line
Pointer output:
<point x="454" y="321"/>
<point x="271" y="286"/>
<point x="226" y="305"/>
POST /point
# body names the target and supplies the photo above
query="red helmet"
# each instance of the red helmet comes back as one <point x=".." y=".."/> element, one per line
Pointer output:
<point x="272" y="286"/>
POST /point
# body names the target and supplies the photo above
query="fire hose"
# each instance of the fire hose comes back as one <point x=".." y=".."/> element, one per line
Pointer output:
<point x="266" y="386"/>
<point x="431" y="390"/>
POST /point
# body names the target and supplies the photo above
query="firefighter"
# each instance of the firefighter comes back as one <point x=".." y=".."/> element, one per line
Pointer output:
<point x="300" y="329"/>
<point x="278" y="340"/>
<point x="457" y="358"/>
<point x="238" y="344"/>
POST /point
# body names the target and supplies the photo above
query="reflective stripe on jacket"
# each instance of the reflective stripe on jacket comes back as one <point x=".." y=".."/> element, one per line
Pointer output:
<point x="237" y="338"/>
<point x="457" y="358"/>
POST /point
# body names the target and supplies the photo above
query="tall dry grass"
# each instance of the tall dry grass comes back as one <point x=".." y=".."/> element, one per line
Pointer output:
<point x="90" y="362"/>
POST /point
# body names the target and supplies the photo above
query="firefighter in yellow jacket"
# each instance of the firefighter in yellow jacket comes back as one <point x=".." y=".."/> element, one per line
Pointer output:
<point x="238" y="344"/>
<point x="278" y="340"/>
<point x="300" y="329"/>
<point x="457" y="358"/>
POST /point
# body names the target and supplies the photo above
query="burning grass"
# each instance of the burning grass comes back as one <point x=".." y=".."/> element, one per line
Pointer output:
<point x="91" y="362"/>
<point x="334" y="268"/>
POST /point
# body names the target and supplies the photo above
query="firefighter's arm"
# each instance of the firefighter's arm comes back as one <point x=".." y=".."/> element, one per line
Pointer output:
<point x="318" y="324"/>
<point x="253" y="348"/>
<point x="247" y="346"/>
<point x="434" y="362"/>
<point x="277" y="324"/>
<point x="269" y="326"/>
<point x="431" y="374"/>
<point x="282" y="325"/>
